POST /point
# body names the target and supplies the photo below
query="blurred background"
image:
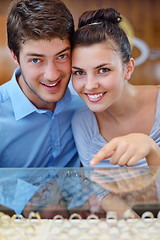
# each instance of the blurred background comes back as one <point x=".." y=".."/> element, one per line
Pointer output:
<point x="142" y="24"/>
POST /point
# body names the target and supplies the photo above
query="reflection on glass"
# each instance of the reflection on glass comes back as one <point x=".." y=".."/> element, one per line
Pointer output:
<point x="82" y="191"/>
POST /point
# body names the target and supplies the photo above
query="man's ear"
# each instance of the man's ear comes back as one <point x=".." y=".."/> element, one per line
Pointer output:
<point x="14" y="57"/>
<point x="129" y="69"/>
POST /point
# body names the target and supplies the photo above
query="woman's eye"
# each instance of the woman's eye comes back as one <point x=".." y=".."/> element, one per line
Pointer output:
<point x="103" y="70"/>
<point x="35" y="60"/>
<point x="78" y="73"/>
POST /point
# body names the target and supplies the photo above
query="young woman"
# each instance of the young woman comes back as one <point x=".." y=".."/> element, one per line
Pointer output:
<point x="121" y="123"/>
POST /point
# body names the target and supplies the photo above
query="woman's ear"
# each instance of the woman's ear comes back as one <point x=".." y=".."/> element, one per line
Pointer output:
<point x="129" y="69"/>
<point x="14" y="57"/>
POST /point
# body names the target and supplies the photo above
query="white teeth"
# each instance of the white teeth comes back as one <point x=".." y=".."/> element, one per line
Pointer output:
<point x="95" y="95"/>
<point x="51" y="85"/>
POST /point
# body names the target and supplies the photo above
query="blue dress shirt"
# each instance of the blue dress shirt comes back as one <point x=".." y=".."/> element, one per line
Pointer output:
<point x="31" y="137"/>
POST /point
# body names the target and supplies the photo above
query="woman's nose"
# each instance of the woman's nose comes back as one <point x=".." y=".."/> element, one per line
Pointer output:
<point x="91" y="83"/>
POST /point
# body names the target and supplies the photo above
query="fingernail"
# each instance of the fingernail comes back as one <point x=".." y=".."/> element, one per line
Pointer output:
<point x="92" y="162"/>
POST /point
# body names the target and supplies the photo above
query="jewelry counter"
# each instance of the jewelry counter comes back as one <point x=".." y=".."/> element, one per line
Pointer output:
<point x="80" y="203"/>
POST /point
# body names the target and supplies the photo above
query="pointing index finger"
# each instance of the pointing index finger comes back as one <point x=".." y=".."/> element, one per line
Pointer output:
<point x="105" y="152"/>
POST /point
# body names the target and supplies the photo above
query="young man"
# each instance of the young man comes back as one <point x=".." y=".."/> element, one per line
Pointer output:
<point x="36" y="106"/>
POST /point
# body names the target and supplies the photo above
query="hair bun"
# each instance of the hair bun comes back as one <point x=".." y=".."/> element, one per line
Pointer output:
<point x="109" y="15"/>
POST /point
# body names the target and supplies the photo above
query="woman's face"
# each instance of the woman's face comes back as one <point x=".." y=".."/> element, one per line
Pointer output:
<point x="98" y="75"/>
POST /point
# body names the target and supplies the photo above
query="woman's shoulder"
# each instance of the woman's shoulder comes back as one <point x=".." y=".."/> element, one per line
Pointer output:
<point x="152" y="93"/>
<point x="83" y="113"/>
<point x="148" y="94"/>
<point x="84" y="121"/>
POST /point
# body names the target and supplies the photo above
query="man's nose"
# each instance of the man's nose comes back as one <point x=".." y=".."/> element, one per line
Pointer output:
<point x="52" y="72"/>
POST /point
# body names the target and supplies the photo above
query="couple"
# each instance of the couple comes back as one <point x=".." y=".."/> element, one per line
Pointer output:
<point x="120" y="123"/>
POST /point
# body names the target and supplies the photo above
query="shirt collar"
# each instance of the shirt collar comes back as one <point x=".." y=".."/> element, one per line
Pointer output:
<point x="22" y="105"/>
<point x="63" y="102"/>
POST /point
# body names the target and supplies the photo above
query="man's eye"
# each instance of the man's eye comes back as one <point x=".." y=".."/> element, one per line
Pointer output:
<point x="35" y="60"/>
<point x="63" y="56"/>
<point x="103" y="70"/>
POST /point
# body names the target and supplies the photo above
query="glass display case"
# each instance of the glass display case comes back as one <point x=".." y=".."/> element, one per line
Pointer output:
<point x="78" y="197"/>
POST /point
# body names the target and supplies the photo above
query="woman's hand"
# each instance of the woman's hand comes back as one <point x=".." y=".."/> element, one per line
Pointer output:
<point x="128" y="150"/>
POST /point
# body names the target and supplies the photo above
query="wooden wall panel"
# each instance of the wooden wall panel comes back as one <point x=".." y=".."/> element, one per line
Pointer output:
<point x="144" y="16"/>
<point x="6" y="63"/>
<point x="3" y="34"/>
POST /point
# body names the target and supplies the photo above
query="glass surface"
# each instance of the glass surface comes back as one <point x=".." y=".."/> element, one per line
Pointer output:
<point x="86" y="191"/>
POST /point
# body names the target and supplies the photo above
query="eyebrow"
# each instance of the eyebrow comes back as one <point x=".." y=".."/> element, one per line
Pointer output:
<point x="77" y="68"/>
<point x="99" y="66"/>
<point x="42" y="55"/>
<point x="66" y="49"/>
<point x="102" y="65"/>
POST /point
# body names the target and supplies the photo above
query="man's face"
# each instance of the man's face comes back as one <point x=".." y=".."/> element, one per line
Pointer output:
<point x="46" y="68"/>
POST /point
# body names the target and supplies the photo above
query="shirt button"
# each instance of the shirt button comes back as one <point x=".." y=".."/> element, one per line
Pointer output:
<point x="53" y="118"/>
<point x="55" y="144"/>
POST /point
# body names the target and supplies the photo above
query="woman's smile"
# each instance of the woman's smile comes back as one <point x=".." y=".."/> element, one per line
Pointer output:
<point x="94" y="97"/>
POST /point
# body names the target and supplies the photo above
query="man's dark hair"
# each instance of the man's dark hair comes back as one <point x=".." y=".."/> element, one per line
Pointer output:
<point x="37" y="20"/>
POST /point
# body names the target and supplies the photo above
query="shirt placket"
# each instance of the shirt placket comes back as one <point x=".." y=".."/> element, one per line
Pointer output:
<point x="55" y="136"/>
